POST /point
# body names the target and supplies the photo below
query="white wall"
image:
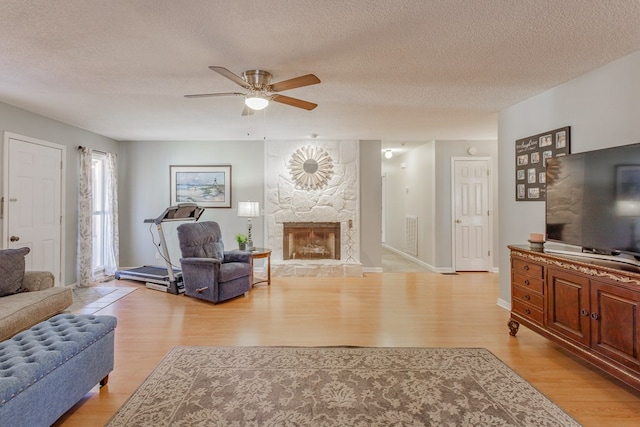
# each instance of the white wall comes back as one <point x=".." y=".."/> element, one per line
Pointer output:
<point x="145" y="192"/>
<point x="370" y="205"/>
<point x="445" y="150"/>
<point x="394" y="201"/>
<point x="423" y="188"/>
<point x="603" y="110"/>
<point x="410" y="191"/>
<point x="32" y="125"/>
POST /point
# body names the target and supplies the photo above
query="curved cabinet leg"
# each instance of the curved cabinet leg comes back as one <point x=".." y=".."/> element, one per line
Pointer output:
<point x="513" y="327"/>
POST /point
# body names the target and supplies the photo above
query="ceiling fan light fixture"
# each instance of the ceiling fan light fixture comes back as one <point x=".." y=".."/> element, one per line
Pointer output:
<point x="256" y="102"/>
<point x="260" y="91"/>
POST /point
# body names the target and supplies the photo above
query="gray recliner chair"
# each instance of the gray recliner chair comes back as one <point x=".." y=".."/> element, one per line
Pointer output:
<point x="208" y="271"/>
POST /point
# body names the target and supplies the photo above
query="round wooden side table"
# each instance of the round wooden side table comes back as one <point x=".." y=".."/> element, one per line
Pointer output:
<point x="258" y="253"/>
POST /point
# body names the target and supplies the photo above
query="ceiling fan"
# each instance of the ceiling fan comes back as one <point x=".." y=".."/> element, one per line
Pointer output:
<point x="261" y="90"/>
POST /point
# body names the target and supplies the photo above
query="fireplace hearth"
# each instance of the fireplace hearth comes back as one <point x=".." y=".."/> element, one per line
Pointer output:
<point x="311" y="240"/>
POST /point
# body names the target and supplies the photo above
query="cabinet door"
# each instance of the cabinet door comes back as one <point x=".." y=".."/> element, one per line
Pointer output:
<point x="568" y="305"/>
<point x="615" y="324"/>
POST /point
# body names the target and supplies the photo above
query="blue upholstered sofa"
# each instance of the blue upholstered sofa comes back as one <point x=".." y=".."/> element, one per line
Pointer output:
<point x="27" y="297"/>
<point x="47" y="369"/>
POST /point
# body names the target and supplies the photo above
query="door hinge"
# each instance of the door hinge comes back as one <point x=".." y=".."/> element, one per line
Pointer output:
<point x="488" y="253"/>
<point x="488" y="213"/>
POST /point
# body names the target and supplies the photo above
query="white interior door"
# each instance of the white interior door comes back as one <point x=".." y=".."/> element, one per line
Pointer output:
<point x="471" y="214"/>
<point x="33" y="202"/>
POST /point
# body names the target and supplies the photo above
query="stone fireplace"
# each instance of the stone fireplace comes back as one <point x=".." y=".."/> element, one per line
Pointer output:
<point x="313" y="183"/>
<point x="311" y="240"/>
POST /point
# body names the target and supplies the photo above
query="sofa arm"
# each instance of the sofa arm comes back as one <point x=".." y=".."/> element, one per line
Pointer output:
<point x="201" y="262"/>
<point x="200" y="273"/>
<point x="37" y="280"/>
<point x="200" y="269"/>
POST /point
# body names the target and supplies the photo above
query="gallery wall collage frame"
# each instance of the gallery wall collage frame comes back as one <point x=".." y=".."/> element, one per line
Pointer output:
<point x="532" y="154"/>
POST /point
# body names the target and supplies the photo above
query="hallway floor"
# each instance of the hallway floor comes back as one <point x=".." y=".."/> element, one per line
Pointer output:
<point x="394" y="263"/>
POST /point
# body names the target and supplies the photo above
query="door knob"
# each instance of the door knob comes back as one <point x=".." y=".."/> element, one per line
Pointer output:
<point x="14" y="238"/>
<point x="458" y="221"/>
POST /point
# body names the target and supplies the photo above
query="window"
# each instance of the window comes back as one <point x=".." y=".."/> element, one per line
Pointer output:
<point x="99" y="212"/>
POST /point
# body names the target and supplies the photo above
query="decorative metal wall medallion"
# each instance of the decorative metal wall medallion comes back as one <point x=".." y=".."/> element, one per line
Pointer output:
<point x="311" y="168"/>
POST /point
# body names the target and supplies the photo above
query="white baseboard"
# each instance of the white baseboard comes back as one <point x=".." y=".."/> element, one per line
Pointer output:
<point x="504" y="304"/>
<point x="419" y="262"/>
<point x="429" y="266"/>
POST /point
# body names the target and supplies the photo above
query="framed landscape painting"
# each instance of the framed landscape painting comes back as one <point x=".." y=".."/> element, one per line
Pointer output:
<point x="208" y="186"/>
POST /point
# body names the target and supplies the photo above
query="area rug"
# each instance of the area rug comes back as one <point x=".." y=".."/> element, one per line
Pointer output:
<point x="336" y="386"/>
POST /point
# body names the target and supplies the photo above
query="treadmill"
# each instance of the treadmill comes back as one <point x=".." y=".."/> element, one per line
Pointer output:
<point x="165" y="279"/>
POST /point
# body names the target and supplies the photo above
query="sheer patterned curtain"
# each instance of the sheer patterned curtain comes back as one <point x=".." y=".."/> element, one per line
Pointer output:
<point x="85" y="196"/>
<point x="112" y="233"/>
<point x="108" y="216"/>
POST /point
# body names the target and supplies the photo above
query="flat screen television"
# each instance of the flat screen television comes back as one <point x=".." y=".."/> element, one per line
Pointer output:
<point x="593" y="200"/>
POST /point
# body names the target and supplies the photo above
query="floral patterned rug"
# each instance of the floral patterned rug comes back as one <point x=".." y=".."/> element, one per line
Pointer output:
<point x="336" y="386"/>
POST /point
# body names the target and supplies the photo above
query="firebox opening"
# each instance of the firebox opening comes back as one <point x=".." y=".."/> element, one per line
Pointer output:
<point x="311" y="240"/>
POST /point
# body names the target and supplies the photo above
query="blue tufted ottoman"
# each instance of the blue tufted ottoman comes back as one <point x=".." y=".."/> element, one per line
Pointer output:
<point x="47" y="369"/>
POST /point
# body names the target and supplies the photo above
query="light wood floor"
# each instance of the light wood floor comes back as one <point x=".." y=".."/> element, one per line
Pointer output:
<point x="385" y="309"/>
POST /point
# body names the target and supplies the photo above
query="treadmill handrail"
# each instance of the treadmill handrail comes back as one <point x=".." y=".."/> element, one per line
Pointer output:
<point x="187" y="212"/>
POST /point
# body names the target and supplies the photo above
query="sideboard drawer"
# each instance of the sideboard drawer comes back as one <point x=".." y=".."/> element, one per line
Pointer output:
<point x="527" y="310"/>
<point x="533" y="298"/>
<point x="528" y="282"/>
<point x="527" y="268"/>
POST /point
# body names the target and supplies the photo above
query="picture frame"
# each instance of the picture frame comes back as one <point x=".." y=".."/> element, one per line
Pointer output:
<point x="628" y="182"/>
<point x="207" y="185"/>
<point x="532" y="154"/>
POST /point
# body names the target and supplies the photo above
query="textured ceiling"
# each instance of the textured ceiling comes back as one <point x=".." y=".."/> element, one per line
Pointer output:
<point x="401" y="70"/>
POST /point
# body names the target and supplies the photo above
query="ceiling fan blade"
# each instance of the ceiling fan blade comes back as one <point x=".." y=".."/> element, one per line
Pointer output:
<point x="231" y="76"/>
<point x="294" y="102"/>
<point x="306" y="80"/>
<point x="246" y="111"/>
<point x="207" y="95"/>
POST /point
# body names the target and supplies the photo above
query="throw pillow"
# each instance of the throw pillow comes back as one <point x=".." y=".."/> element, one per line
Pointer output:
<point x="12" y="270"/>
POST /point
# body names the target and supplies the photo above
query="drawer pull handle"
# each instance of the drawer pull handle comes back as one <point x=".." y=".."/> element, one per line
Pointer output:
<point x="595" y="316"/>
<point x="527" y="311"/>
<point x="526" y="282"/>
<point x="527" y="297"/>
<point x="584" y="312"/>
<point x="526" y="267"/>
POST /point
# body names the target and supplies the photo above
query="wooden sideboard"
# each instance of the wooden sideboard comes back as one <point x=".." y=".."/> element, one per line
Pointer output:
<point x="590" y="307"/>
